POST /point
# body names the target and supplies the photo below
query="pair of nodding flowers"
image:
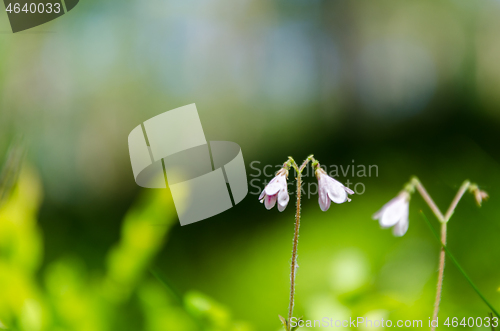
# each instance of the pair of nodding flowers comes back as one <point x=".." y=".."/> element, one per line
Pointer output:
<point x="395" y="213"/>
<point x="329" y="190"/>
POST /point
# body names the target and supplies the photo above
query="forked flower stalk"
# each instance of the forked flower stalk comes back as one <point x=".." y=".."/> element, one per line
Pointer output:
<point x="331" y="190"/>
<point x="294" y="266"/>
<point x="444" y="221"/>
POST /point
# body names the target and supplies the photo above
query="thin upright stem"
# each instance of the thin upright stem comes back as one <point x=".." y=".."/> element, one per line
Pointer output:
<point x="293" y="268"/>
<point x="439" y="286"/>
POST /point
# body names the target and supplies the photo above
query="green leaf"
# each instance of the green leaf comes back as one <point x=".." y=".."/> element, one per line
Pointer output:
<point x="284" y="322"/>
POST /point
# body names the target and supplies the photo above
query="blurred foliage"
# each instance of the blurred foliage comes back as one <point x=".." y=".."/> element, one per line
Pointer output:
<point x="21" y="251"/>
<point x="71" y="297"/>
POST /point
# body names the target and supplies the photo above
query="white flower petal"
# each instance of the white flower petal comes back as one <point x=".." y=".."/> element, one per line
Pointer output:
<point x="324" y="204"/>
<point x="401" y="227"/>
<point x="283" y="199"/>
<point x="395" y="213"/>
<point x="388" y="219"/>
<point x="282" y="207"/>
<point x="392" y="212"/>
<point x="323" y="197"/>
<point x="270" y="201"/>
<point x="274" y="186"/>
<point x="348" y="190"/>
<point x="336" y="191"/>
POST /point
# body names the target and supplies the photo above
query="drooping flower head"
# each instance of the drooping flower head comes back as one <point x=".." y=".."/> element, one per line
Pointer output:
<point x="395" y="213"/>
<point x="330" y="189"/>
<point x="276" y="190"/>
<point x="479" y="195"/>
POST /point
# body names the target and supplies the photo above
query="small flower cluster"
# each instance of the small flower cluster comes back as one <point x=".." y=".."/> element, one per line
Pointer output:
<point x="329" y="189"/>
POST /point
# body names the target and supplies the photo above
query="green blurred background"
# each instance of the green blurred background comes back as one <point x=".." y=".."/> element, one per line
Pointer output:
<point x="412" y="87"/>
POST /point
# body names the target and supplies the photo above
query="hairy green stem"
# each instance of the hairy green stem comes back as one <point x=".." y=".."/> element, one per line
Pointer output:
<point x="294" y="266"/>
<point x="442" y="253"/>
<point x="439" y="286"/>
<point x="293" y="269"/>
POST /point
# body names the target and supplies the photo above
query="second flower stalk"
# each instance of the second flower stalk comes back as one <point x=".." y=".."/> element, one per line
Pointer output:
<point x="395" y="214"/>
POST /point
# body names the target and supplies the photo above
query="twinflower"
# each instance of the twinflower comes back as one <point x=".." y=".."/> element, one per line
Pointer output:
<point x="276" y="190"/>
<point x="330" y="190"/>
<point x="395" y="213"/>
